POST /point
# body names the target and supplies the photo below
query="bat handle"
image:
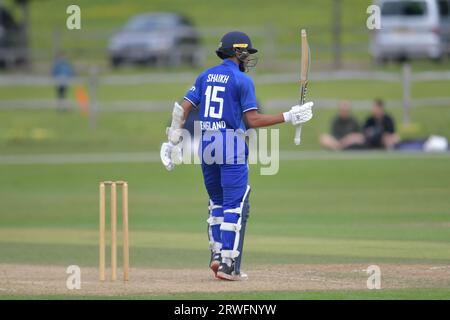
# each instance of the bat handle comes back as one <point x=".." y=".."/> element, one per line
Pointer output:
<point x="298" y="135"/>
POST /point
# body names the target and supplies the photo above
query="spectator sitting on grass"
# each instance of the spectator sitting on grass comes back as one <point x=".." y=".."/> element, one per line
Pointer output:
<point x="345" y="131"/>
<point x="379" y="129"/>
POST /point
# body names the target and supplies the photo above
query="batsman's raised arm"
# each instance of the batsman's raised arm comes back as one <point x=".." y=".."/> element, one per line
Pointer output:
<point x="296" y="115"/>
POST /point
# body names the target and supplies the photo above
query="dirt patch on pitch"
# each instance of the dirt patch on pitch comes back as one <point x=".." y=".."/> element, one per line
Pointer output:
<point x="51" y="280"/>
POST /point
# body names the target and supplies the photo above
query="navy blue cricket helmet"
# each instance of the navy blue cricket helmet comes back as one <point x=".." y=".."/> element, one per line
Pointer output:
<point x="232" y="42"/>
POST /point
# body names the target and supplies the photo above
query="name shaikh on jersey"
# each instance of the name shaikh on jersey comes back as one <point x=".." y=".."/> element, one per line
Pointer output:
<point x="215" y="125"/>
<point x="217" y="77"/>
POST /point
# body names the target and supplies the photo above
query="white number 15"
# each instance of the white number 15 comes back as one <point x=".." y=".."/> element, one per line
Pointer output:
<point x="211" y="110"/>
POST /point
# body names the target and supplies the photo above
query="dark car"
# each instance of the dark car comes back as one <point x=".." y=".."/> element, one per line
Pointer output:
<point x="12" y="45"/>
<point x="165" y="38"/>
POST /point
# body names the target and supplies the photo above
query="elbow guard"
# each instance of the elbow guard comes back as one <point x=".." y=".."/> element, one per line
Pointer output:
<point x="177" y="116"/>
<point x="174" y="132"/>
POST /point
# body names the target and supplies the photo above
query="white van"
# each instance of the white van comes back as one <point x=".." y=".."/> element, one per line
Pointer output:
<point x="412" y="29"/>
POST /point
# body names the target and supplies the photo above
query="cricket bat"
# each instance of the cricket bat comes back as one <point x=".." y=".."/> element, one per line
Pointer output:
<point x="305" y="61"/>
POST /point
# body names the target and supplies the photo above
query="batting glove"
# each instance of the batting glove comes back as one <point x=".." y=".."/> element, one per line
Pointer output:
<point x="299" y="114"/>
<point x="171" y="155"/>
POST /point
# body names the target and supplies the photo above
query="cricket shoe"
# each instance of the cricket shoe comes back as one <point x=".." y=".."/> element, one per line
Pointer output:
<point x="214" y="264"/>
<point x="227" y="272"/>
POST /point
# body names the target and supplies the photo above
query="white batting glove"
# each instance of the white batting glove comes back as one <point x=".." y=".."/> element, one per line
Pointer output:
<point x="174" y="135"/>
<point x="299" y="114"/>
<point x="171" y="155"/>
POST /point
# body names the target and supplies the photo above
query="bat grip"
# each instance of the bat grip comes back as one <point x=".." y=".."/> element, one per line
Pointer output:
<point x="298" y="134"/>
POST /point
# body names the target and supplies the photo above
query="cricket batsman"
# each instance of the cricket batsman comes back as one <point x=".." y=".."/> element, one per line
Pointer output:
<point x="225" y="98"/>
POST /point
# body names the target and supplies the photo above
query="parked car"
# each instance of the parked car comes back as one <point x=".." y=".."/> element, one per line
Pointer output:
<point x="412" y="29"/>
<point x="166" y="38"/>
<point x="12" y="46"/>
<point x="444" y="12"/>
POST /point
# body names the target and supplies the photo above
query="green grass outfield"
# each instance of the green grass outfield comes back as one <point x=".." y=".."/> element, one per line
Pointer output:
<point x="321" y="208"/>
<point x="403" y="294"/>
<point x="344" y="89"/>
<point x="386" y="210"/>
<point x="48" y="131"/>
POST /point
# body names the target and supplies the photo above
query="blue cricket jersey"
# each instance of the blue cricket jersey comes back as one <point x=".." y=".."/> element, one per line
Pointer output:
<point x="222" y="94"/>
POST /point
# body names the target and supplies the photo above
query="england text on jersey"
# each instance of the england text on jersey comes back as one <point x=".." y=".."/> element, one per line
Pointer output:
<point x="212" y="125"/>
